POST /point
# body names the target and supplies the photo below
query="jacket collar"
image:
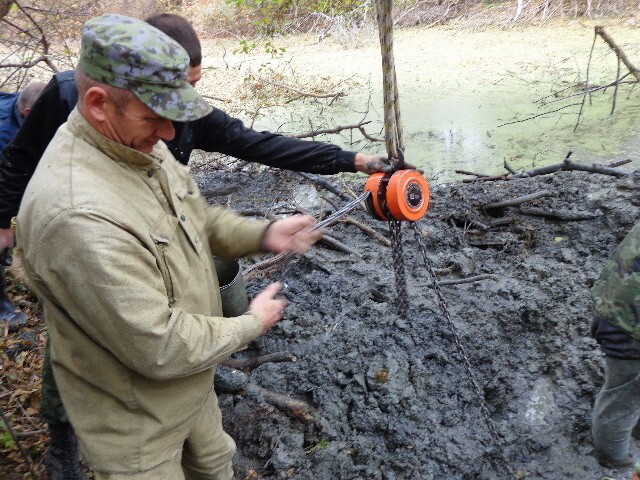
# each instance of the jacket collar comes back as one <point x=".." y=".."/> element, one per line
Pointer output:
<point x="81" y="128"/>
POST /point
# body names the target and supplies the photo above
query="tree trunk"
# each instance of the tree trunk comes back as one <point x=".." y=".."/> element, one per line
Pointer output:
<point x="5" y="5"/>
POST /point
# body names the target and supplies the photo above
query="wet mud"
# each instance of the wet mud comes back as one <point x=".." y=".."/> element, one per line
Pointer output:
<point x="391" y="398"/>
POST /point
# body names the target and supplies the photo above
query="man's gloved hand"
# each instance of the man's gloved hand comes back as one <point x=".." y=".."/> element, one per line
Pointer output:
<point x="373" y="163"/>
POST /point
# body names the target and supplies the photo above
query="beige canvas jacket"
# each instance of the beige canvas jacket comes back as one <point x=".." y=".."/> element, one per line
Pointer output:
<point x="118" y="245"/>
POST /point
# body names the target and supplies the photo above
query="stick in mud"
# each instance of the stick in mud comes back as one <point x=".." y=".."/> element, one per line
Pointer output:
<point x="290" y="406"/>
<point x="248" y="364"/>
<point x="517" y="201"/>
<point x="559" y="214"/>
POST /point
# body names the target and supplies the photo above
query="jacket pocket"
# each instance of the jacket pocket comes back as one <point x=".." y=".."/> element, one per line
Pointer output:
<point x="168" y="254"/>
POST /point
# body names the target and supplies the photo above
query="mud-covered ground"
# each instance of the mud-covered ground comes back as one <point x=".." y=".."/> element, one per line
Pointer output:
<point x="391" y="397"/>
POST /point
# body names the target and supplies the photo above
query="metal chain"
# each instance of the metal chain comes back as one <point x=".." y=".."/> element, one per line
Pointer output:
<point x="497" y="439"/>
<point x="288" y="256"/>
<point x="402" y="296"/>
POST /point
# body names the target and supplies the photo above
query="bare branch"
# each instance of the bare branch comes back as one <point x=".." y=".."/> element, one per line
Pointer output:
<point x="618" y="51"/>
<point x="337" y="129"/>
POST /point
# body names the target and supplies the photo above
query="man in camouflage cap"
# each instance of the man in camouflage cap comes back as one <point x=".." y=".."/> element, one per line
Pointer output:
<point x="154" y="71"/>
<point x="616" y="327"/>
<point x="118" y="243"/>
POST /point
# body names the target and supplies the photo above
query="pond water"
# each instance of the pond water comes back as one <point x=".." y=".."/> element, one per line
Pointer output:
<point x="458" y="89"/>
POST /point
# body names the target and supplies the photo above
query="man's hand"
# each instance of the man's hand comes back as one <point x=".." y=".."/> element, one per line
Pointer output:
<point x="268" y="308"/>
<point x="371" y="164"/>
<point x="293" y="233"/>
<point x="7" y="238"/>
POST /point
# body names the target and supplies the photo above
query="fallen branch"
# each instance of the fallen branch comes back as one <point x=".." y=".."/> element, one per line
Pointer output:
<point x="353" y="194"/>
<point x="539" y="115"/>
<point x="593" y="169"/>
<point x="290" y="406"/>
<point x="509" y="168"/>
<point x="367" y="230"/>
<point x="618" y="163"/>
<point x="477" y="224"/>
<point x="231" y="380"/>
<point x="517" y="201"/>
<point x="559" y="214"/>
<point x="491" y="243"/>
<point x="501" y="222"/>
<point x="302" y="94"/>
<point x="618" y="51"/>
<point x="487" y="179"/>
<point x="326" y="184"/>
<point x="566" y="165"/>
<point x="335" y="244"/>
<point x="369" y="137"/>
<point x="337" y="129"/>
<point x="466" y="172"/>
<point x="248" y="364"/>
<point x="271" y="264"/>
<point x="477" y="278"/>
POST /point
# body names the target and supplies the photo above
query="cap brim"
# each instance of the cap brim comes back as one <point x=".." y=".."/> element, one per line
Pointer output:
<point x="178" y="104"/>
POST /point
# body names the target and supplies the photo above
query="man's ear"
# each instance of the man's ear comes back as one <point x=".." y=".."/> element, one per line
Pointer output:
<point x="95" y="101"/>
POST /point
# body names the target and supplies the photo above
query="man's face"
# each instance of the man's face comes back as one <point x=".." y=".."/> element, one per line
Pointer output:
<point x="136" y="126"/>
<point x="195" y="74"/>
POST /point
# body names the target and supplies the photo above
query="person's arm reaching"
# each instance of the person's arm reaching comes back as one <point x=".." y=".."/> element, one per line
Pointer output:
<point x="219" y="132"/>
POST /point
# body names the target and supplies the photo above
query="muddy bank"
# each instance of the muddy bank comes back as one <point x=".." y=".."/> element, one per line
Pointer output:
<point x="391" y="396"/>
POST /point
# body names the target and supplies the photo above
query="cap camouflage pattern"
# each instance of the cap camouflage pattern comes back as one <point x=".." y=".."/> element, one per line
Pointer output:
<point x="616" y="294"/>
<point x="128" y="53"/>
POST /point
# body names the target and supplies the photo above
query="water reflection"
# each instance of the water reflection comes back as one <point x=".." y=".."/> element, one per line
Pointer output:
<point x="458" y="88"/>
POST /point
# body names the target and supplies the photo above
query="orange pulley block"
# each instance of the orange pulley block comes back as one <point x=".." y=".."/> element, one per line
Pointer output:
<point x="401" y="195"/>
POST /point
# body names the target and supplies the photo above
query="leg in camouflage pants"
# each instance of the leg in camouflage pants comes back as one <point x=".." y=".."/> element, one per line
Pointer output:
<point x="62" y="457"/>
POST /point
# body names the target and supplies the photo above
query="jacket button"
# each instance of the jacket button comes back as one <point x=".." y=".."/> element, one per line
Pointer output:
<point x="183" y="218"/>
<point x="150" y="173"/>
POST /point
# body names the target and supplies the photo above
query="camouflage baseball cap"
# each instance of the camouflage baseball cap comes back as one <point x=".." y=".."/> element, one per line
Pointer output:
<point x="128" y="53"/>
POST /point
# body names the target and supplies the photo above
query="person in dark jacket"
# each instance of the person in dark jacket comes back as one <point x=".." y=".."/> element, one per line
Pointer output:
<point x="14" y="107"/>
<point x="216" y="132"/>
<point x="616" y="327"/>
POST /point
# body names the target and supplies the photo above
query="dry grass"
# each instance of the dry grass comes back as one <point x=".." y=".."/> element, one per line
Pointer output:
<point x="217" y="18"/>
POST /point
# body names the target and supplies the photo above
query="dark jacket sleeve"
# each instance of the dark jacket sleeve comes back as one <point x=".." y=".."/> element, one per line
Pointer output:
<point x="19" y="159"/>
<point x="219" y="132"/>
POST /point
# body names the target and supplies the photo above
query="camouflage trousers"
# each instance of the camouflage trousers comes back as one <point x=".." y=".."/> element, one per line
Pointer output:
<point x="233" y="291"/>
<point x="617" y="408"/>
<point x="51" y="409"/>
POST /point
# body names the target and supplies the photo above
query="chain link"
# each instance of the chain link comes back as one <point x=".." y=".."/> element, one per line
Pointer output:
<point x="497" y="439"/>
<point x="402" y="296"/>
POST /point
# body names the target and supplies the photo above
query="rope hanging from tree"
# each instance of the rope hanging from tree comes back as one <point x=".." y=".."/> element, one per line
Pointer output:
<point x="393" y="140"/>
<point x="392" y="121"/>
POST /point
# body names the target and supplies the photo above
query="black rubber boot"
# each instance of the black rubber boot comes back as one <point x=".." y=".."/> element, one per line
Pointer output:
<point x="62" y="459"/>
<point x="617" y="464"/>
<point x="8" y="313"/>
